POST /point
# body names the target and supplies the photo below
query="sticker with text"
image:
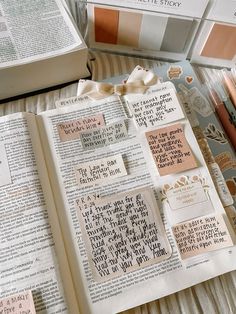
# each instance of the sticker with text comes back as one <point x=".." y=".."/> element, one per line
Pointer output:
<point x="5" y="175"/>
<point x="170" y="150"/>
<point x="201" y="235"/>
<point x="174" y="72"/>
<point x="20" y="303"/>
<point x="226" y="161"/>
<point x="123" y="233"/>
<point x="156" y="109"/>
<point x="71" y="130"/>
<point x="185" y="192"/>
<point x="187" y="198"/>
<point x="100" y="171"/>
<point x="103" y="136"/>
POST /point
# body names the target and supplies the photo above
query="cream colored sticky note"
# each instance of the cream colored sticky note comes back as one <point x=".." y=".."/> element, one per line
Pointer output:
<point x="123" y="233"/>
<point x="20" y="303"/>
<point x="201" y="235"/>
<point x="71" y="130"/>
<point x="100" y="171"/>
<point x="5" y="175"/>
<point x="170" y="150"/>
<point x="156" y="109"/>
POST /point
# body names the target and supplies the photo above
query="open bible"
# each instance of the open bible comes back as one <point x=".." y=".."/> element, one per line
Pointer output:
<point x="107" y="204"/>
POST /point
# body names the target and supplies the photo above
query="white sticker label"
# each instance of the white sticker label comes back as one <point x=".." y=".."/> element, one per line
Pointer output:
<point x="186" y="195"/>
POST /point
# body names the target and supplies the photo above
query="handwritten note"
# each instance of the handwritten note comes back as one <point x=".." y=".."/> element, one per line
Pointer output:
<point x="71" y="130"/>
<point x="156" y="109"/>
<point x="107" y="135"/>
<point x="201" y="235"/>
<point x="20" y="303"/>
<point x="170" y="149"/>
<point x="123" y="233"/>
<point x="101" y="170"/>
<point x="5" y="175"/>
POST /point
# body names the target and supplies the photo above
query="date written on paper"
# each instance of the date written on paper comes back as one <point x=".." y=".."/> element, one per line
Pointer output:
<point x="123" y="233"/>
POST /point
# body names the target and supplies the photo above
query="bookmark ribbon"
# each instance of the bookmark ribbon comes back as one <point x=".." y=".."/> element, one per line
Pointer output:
<point x="138" y="82"/>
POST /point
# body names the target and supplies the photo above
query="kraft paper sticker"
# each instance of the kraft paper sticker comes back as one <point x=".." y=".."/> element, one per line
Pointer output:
<point x="201" y="235"/>
<point x="225" y="161"/>
<point x="71" y="130"/>
<point x="174" y="72"/>
<point x="103" y="136"/>
<point x="100" y="171"/>
<point x="156" y="109"/>
<point x="5" y="175"/>
<point x="123" y="233"/>
<point x="170" y="150"/>
<point x="20" y="303"/>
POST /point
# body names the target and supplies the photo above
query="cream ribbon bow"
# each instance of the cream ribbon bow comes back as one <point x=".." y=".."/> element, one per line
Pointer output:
<point x="138" y="82"/>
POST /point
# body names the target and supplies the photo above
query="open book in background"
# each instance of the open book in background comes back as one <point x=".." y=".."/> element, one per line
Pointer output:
<point x="108" y="203"/>
<point x="40" y="47"/>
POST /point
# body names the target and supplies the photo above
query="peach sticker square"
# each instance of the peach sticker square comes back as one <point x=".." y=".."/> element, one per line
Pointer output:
<point x="21" y="302"/>
<point x="72" y="129"/>
<point x="201" y="235"/>
<point x="170" y="150"/>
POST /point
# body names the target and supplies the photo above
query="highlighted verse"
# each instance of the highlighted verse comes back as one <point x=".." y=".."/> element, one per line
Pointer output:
<point x="98" y="171"/>
<point x="123" y="233"/>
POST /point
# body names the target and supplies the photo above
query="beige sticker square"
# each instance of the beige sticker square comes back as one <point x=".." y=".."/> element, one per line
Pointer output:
<point x="170" y="150"/>
<point x="123" y="233"/>
<point x="201" y="235"/>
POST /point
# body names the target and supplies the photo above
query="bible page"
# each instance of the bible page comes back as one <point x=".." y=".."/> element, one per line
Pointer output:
<point x="29" y="260"/>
